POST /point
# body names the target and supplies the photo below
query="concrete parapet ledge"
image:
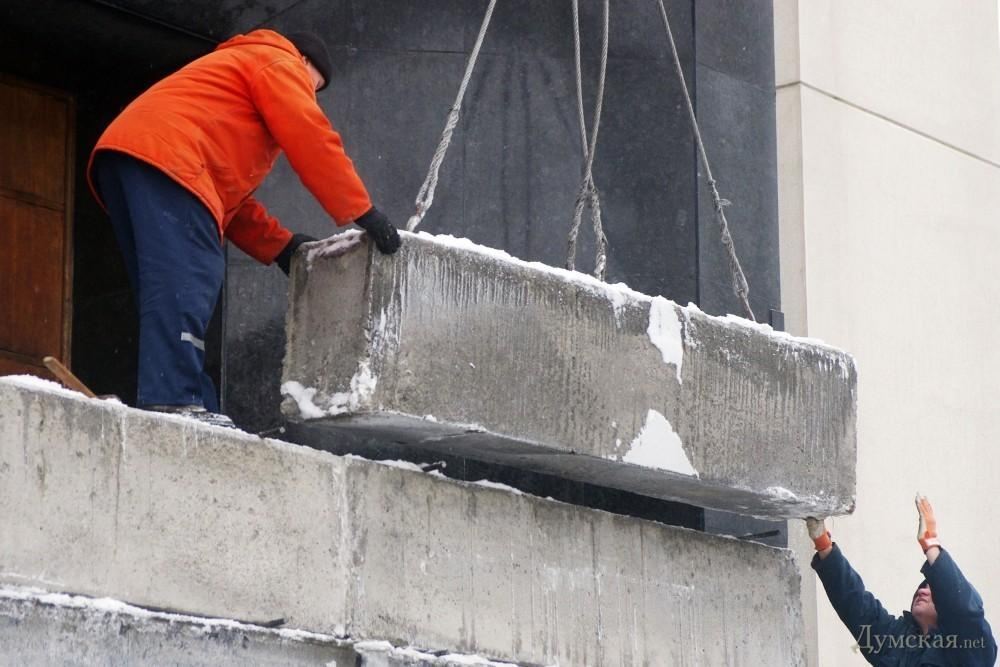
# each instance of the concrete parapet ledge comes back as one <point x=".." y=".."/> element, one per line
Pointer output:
<point x="41" y="628"/>
<point x="451" y="345"/>
<point x="161" y="512"/>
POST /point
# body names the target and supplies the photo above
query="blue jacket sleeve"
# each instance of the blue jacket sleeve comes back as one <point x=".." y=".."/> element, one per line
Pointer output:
<point x="960" y="610"/>
<point x="859" y="610"/>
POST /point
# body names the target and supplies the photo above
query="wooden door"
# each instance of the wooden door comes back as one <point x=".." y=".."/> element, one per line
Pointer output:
<point x="36" y="186"/>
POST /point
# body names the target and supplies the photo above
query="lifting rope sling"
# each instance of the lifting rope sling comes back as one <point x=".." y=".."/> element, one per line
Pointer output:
<point x="588" y="191"/>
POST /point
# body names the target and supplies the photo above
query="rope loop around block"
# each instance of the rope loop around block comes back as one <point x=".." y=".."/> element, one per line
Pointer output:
<point x="588" y="194"/>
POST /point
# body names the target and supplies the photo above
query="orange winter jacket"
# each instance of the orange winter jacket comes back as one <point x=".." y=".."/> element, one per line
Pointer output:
<point x="217" y="126"/>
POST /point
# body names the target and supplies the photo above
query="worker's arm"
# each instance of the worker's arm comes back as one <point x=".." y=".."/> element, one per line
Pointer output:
<point x="283" y="95"/>
<point x="261" y="236"/>
<point x="958" y="604"/>
<point x="859" y="610"/>
<point x="256" y="232"/>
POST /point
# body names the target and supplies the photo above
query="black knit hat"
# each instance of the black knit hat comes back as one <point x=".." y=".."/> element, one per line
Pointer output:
<point x="312" y="47"/>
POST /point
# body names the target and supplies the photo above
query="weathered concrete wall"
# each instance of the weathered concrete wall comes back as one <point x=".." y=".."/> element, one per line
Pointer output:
<point x="451" y="344"/>
<point x="103" y="500"/>
<point x="38" y="628"/>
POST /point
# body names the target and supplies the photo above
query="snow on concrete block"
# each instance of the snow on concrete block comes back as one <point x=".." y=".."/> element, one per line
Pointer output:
<point x="162" y="512"/>
<point x="457" y="346"/>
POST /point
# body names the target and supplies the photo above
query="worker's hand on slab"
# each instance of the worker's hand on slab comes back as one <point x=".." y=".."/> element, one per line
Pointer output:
<point x="284" y="258"/>
<point x="820" y="536"/>
<point x="381" y="231"/>
<point x="927" y="535"/>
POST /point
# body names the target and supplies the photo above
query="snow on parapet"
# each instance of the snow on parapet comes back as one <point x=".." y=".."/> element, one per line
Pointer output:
<point x="424" y="658"/>
<point x="658" y="446"/>
<point x="429" y="469"/>
<point x="36" y="384"/>
<point x="119" y="608"/>
<point x="48" y="387"/>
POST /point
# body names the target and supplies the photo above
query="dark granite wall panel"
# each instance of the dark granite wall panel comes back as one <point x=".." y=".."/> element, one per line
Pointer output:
<point x="736" y="37"/>
<point x="431" y="25"/>
<point x="737" y="121"/>
<point x="216" y="19"/>
<point x="644" y="170"/>
<point x="736" y="112"/>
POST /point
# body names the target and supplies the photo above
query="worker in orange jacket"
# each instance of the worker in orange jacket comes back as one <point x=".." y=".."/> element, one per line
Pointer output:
<point x="176" y="172"/>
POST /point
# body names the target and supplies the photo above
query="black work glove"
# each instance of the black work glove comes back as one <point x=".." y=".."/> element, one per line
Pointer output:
<point x="284" y="258"/>
<point x="378" y="227"/>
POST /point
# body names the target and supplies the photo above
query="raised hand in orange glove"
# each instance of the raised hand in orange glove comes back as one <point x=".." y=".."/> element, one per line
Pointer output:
<point x="819" y="534"/>
<point x="927" y="529"/>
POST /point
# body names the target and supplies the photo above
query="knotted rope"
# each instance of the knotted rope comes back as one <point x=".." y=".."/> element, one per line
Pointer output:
<point x="740" y="286"/>
<point x="426" y="195"/>
<point x="588" y="193"/>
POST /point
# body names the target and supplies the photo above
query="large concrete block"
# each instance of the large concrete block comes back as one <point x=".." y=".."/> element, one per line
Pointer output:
<point x="455" y="346"/>
<point x="103" y="500"/>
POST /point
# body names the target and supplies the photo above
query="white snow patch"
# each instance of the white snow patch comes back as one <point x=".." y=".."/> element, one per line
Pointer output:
<point x="303" y="397"/>
<point x="414" y="467"/>
<point x="374" y="645"/>
<point x="333" y="246"/>
<point x="658" y="446"/>
<point x="424" y="657"/>
<point x="618" y="299"/>
<point x="781" y="492"/>
<point x="497" y="485"/>
<point x="665" y="331"/>
<point x="362" y="388"/>
<point x="394" y="463"/>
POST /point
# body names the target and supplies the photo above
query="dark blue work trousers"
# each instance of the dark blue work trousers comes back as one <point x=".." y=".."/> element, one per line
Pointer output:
<point x="174" y="258"/>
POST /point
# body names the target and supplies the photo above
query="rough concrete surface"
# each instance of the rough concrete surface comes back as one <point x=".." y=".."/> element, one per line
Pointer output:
<point x="99" y="499"/>
<point x="456" y="345"/>
<point x="34" y="631"/>
<point x="38" y="628"/>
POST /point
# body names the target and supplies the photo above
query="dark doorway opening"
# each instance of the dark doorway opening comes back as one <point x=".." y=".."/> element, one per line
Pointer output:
<point x="102" y="57"/>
